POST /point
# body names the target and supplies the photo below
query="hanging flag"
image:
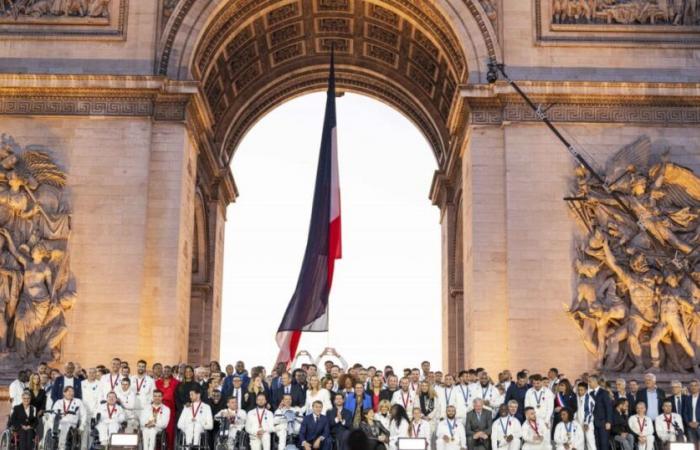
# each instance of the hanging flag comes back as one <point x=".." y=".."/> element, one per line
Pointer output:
<point x="308" y="307"/>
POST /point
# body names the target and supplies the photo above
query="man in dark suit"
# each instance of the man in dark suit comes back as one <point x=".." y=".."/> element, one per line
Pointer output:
<point x="24" y="422"/>
<point x="392" y="385"/>
<point x="652" y="396"/>
<point x="679" y="402"/>
<point x="315" y="431"/>
<point x="516" y="391"/>
<point x="65" y="380"/>
<point x="294" y="390"/>
<point x="340" y="420"/>
<point x="478" y="427"/>
<point x="692" y="413"/>
<point x="602" y="413"/>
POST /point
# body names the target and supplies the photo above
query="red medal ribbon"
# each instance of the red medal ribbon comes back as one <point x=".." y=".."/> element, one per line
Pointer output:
<point x="195" y="411"/>
<point x="641" y="424"/>
<point x="535" y="429"/>
<point x="669" y="420"/>
<point x="416" y="432"/>
<point x="139" y="385"/>
<point x="156" y="410"/>
<point x="110" y="412"/>
<point x="405" y="400"/>
<point x="65" y="410"/>
<point x="260" y="416"/>
<point x="115" y="382"/>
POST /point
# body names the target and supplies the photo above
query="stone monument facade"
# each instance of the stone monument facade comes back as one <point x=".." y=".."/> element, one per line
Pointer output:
<point x="140" y="106"/>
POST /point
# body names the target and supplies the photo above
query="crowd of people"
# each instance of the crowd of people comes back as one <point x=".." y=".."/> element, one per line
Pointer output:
<point x="332" y="407"/>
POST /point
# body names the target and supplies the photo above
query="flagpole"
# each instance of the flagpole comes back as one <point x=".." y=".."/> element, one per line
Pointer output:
<point x="328" y="307"/>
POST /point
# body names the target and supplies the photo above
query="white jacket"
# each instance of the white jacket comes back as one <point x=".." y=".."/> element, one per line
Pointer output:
<point x="454" y="431"/>
<point x="259" y="419"/>
<point x="542" y="401"/>
<point x="75" y="406"/>
<point x="571" y="433"/>
<point x="502" y="428"/>
<point x="641" y="427"/>
<point x="666" y="426"/>
<point x="161" y="414"/>
<point x="143" y="388"/>
<point x="449" y="397"/>
<point x="116" y="417"/>
<point x="530" y="433"/>
<point x="200" y="412"/>
<point x="405" y="399"/>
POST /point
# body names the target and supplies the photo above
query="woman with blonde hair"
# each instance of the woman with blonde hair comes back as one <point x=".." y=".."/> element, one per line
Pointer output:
<point x="383" y="414"/>
<point x="255" y="387"/>
<point x="317" y="393"/>
<point x="38" y="395"/>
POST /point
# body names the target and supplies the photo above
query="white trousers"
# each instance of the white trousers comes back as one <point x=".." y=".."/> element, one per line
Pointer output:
<point x="193" y="433"/>
<point x="589" y="438"/>
<point x="649" y="445"/>
<point x="106" y="430"/>
<point x="149" y="438"/>
<point x="440" y="444"/>
<point x="262" y="443"/>
<point x="512" y="445"/>
<point x="64" y="427"/>
<point x="281" y="432"/>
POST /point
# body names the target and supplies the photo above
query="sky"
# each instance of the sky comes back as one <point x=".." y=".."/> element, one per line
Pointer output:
<point x="385" y="299"/>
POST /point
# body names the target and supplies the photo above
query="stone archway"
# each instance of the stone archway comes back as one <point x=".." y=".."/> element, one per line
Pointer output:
<point x="249" y="56"/>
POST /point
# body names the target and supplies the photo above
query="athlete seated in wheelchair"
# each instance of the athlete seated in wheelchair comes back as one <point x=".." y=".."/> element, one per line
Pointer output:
<point x="231" y="421"/>
<point x="109" y="419"/>
<point x="64" y="422"/>
<point x="287" y="422"/>
<point x="24" y="427"/>
<point x="194" y="422"/>
<point x="154" y="420"/>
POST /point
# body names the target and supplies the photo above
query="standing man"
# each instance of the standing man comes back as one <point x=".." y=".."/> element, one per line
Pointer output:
<point x="143" y="387"/>
<point x="110" y="381"/>
<point x="449" y="395"/>
<point x="195" y="419"/>
<point x="404" y="396"/>
<point x="154" y="418"/>
<point x="693" y="412"/>
<point x="652" y="396"/>
<point x="517" y="391"/>
<point x="584" y="414"/>
<point x="259" y="424"/>
<point x="541" y="400"/>
<point x="17" y="388"/>
<point x="65" y="380"/>
<point x="602" y="413"/>
<point x="392" y="385"/>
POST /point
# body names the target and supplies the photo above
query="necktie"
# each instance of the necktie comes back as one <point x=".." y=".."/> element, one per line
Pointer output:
<point x="678" y="405"/>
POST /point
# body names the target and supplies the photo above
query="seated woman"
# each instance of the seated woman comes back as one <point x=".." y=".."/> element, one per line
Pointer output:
<point x="376" y="432"/>
<point x="24" y="422"/>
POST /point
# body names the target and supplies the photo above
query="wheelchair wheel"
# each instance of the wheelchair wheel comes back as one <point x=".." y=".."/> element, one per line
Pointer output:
<point x="179" y="440"/>
<point x="49" y="441"/>
<point x="6" y="440"/>
<point x="161" y="441"/>
<point x="73" y="439"/>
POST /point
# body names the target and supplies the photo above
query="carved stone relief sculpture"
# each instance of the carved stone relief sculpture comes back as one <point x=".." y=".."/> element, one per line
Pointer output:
<point x="637" y="297"/>
<point x="54" y="8"/>
<point x="626" y="12"/>
<point x="36" y="283"/>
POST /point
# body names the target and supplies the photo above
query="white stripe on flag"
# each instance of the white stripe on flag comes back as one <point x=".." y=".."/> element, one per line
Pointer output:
<point x="335" y="177"/>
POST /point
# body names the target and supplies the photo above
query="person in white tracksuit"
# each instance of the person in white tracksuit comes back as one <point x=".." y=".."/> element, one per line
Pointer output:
<point x="643" y="427"/>
<point x="568" y="434"/>
<point x="420" y="428"/>
<point x="236" y="419"/>
<point x="260" y="424"/>
<point x="153" y="420"/>
<point x="91" y="401"/>
<point x="506" y="430"/>
<point x="535" y="433"/>
<point x="195" y="419"/>
<point x="72" y="414"/>
<point x="669" y="425"/>
<point x="584" y="414"/>
<point x="451" y="434"/>
<point x="111" y="418"/>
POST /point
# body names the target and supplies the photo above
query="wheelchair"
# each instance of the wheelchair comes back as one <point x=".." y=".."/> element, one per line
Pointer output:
<point x="161" y="440"/>
<point x="51" y="437"/>
<point x="221" y="441"/>
<point x="9" y="440"/>
<point x="181" y="442"/>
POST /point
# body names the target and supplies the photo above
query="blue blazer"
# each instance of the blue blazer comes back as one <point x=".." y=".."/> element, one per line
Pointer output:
<point x="297" y="393"/>
<point x="227" y="387"/>
<point x="350" y="402"/>
<point x="312" y="430"/>
<point x="57" y="388"/>
<point x="337" y="429"/>
<point x="688" y="414"/>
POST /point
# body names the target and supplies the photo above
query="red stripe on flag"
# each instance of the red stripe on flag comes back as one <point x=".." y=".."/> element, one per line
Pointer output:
<point x="334" y="248"/>
<point x="294" y="344"/>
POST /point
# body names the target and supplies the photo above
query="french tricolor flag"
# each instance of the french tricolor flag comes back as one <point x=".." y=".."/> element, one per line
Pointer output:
<point x="308" y="307"/>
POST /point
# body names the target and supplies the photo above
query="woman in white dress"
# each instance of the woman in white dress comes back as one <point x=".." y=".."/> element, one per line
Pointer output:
<point x="316" y="392"/>
<point x="398" y="426"/>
